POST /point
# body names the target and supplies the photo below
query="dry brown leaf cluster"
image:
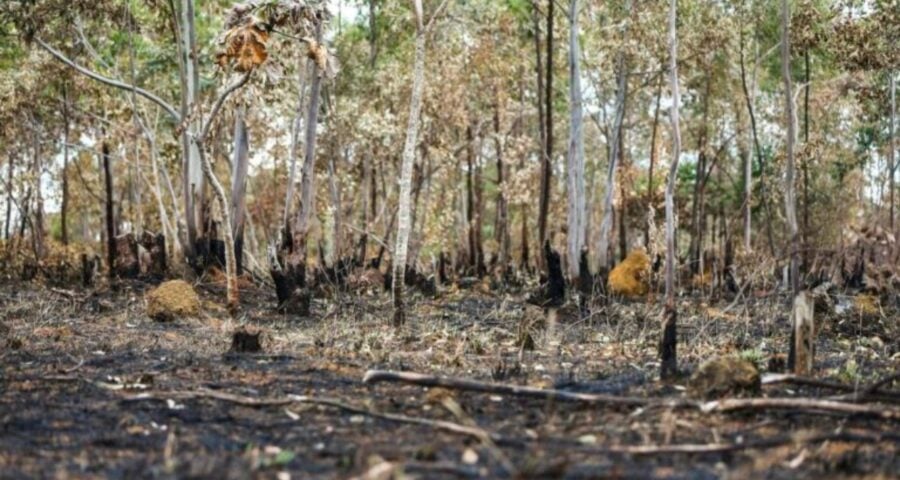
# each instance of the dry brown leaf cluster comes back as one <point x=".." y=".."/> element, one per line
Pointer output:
<point x="245" y="48"/>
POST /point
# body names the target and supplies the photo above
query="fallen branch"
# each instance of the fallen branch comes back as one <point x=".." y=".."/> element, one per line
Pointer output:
<point x="375" y="376"/>
<point x="804" y="405"/>
<point x="855" y="392"/>
<point x="716" y="448"/>
<point x="474" y="432"/>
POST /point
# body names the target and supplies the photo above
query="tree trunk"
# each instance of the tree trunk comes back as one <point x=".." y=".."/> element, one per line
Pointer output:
<point x="790" y="202"/>
<point x="409" y="157"/>
<point x="64" y="206"/>
<point x="110" y="222"/>
<point x="546" y="167"/>
<point x="653" y="153"/>
<point x="759" y="156"/>
<point x="37" y="228"/>
<point x="892" y="155"/>
<point x="502" y="223"/>
<point x="296" y="263"/>
<point x="575" y="157"/>
<point x="9" y="198"/>
<point x="240" y="164"/>
<point x="698" y="213"/>
<point x="292" y="153"/>
<point x="669" y="342"/>
<point x="805" y="239"/>
<point x="192" y="169"/>
<point x="603" y="249"/>
<point x="373" y="35"/>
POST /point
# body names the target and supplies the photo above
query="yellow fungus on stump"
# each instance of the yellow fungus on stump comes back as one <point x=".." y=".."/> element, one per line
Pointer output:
<point x="172" y="300"/>
<point x="630" y="277"/>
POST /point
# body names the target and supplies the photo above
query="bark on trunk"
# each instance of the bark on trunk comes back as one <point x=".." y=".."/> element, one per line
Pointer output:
<point x="892" y="146"/>
<point x="546" y="167"/>
<point x="698" y="211"/>
<point x="603" y="249"/>
<point x="192" y="169"/>
<point x="790" y="202"/>
<point x="110" y="221"/>
<point x="653" y="153"/>
<point x="669" y="341"/>
<point x="502" y="223"/>
<point x="64" y="206"/>
<point x="406" y="170"/>
<point x="240" y="164"/>
<point x="575" y="157"/>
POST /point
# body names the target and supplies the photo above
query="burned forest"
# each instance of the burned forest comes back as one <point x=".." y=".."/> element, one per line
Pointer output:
<point x="428" y="239"/>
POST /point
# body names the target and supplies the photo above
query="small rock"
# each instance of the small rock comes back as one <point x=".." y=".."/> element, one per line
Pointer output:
<point x="724" y="376"/>
<point x="172" y="300"/>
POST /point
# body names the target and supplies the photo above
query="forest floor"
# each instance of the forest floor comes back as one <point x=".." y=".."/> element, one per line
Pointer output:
<point x="90" y="387"/>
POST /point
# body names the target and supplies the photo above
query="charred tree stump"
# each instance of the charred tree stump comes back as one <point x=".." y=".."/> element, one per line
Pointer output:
<point x="90" y="265"/>
<point x="127" y="257"/>
<point x="585" y="280"/>
<point x="154" y="262"/>
<point x="553" y="292"/>
<point x="246" y="339"/>
<point x="669" y="343"/>
<point x="803" y="336"/>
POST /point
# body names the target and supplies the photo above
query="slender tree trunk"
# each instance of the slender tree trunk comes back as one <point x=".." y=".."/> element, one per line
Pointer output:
<point x="758" y="149"/>
<point x="373" y="35"/>
<point x="502" y="224"/>
<point x="805" y="240"/>
<point x="9" y="198"/>
<point x="64" y="206"/>
<point x="603" y="249"/>
<point x="790" y="202"/>
<point x="747" y="171"/>
<point x="37" y="228"/>
<point x="669" y="342"/>
<point x="892" y="155"/>
<point x="698" y="214"/>
<point x="240" y="164"/>
<point x="297" y="262"/>
<point x="575" y="157"/>
<point x="292" y="153"/>
<point x="110" y="221"/>
<point x="621" y="219"/>
<point x="470" y="201"/>
<point x="546" y="167"/>
<point x="653" y="153"/>
<point x="409" y="157"/>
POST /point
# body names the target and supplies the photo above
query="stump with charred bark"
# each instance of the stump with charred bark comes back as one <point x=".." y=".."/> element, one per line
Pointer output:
<point x="669" y="344"/>
<point x="246" y="339"/>
<point x="155" y="246"/>
<point x="553" y="292"/>
<point x="127" y="257"/>
<point x="90" y="266"/>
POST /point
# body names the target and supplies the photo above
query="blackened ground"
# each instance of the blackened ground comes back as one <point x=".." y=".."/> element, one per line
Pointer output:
<point x="69" y="361"/>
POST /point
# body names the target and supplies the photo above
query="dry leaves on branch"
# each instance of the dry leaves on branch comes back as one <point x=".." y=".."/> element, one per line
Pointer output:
<point x="245" y="47"/>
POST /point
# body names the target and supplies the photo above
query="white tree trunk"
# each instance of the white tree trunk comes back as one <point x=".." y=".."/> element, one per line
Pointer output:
<point x="575" y="158"/>
<point x="409" y="156"/>
<point x="192" y="173"/>
<point x="621" y="92"/>
<point x="790" y="200"/>
<point x="669" y="361"/>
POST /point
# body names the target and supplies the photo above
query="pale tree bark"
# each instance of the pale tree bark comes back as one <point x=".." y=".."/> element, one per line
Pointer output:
<point x="790" y="201"/>
<point x="303" y="73"/>
<point x="64" y="207"/>
<point x="798" y="331"/>
<point x="547" y="158"/>
<point x="37" y="230"/>
<point x="409" y="157"/>
<point x="502" y="223"/>
<point x="747" y="169"/>
<point x="614" y="145"/>
<point x="308" y="173"/>
<point x="240" y="164"/>
<point x="575" y="157"/>
<point x="192" y="168"/>
<point x="406" y="169"/>
<point x="669" y="342"/>
<point x="892" y="154"/>
<point x="227" y="228"/>
<point x="757" y="147"/>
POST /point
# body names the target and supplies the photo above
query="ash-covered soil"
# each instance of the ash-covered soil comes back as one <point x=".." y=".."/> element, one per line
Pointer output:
<point x="74" y="364"/>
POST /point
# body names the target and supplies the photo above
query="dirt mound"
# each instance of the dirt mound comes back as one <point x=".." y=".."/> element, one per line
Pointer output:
<point x="724" y="376"/>
<point x="172" y="300"/>
<point x="630" y="277"/>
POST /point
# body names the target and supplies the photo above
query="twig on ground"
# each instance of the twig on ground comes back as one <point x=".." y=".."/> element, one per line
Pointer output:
<point x="375" y="376"/>
<point x="714" y="448"/>
<point x="802" y="405"/>
<point x="474" y="432"/>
